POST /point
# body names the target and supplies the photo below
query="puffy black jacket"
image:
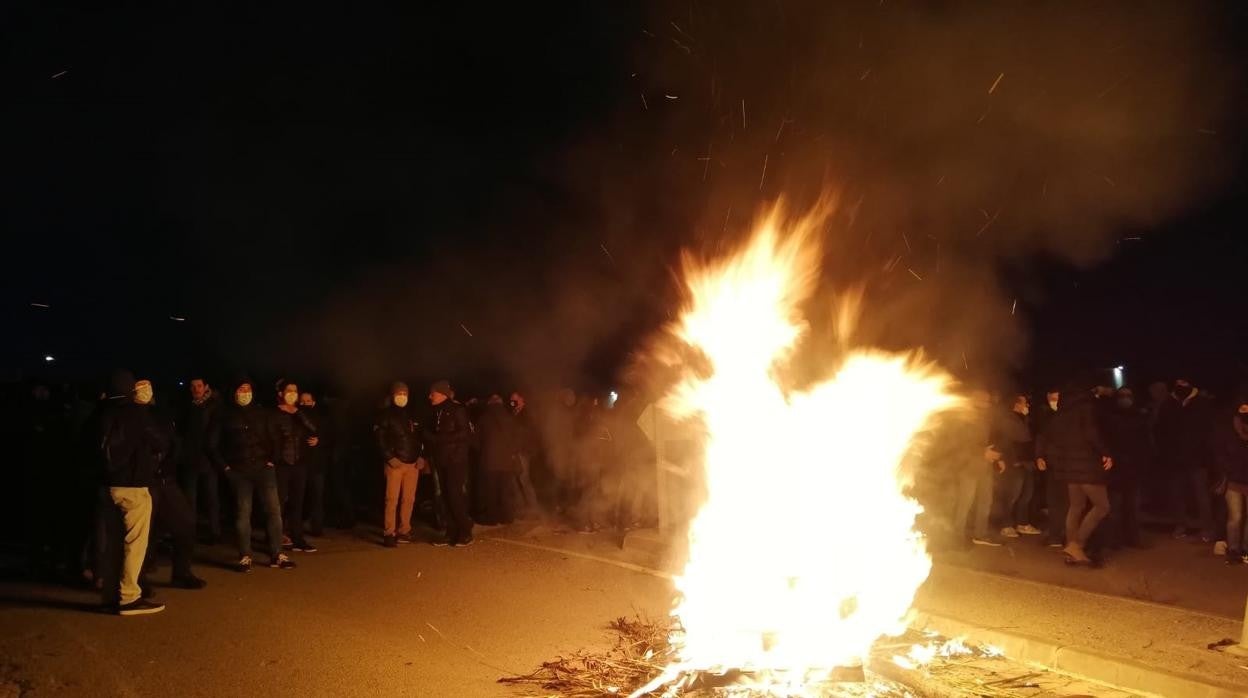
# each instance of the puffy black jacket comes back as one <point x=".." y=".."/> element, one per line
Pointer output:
<point x="196" y="422"/>
<point x="500" y="440"/>
<point x="291" y="429"/>
<point x="450" y="435"/>
<point x="1230" y="449"/>
<point x="133" y="443"/>
<point x="398" y="435"/>
<point x="243" y="438"/>
<point x="1127" y="435"/>
<point x="1072" y="445"/>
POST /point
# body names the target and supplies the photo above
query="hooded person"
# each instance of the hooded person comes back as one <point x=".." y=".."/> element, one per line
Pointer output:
<point x="1072" y="451"/>
<point x="1184" y="426"/>
<point x="1131" y="445"/>
<point x="449" y="438"/>
<point x="132" y="445"/>
<point x="399" y="441"/>
<point x="196" y="473"/>
<point x="1230" y="446"/>
<point x="244" y="446"/>
<point x="500" y="463"/>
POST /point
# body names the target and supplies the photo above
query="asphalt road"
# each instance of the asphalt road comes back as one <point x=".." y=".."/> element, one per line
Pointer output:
<point x="352" y="620"/>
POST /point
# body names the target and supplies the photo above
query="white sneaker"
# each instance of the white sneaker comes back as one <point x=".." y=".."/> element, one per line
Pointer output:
<point x="1219" y="548"/>
<point x="1029" y="530"/>
<point x="1009" y="532"/>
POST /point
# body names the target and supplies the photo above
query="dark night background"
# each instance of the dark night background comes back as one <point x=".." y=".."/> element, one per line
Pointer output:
<point x="499" y="192"/>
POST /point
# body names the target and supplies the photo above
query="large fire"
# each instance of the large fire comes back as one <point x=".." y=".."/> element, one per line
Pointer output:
<point x="804" y="552"/>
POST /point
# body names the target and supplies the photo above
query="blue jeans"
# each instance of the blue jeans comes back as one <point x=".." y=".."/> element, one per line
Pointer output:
<point x="245" y="484"/>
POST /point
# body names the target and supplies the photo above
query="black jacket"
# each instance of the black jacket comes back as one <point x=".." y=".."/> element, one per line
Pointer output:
<point x="1012" y="436"/>
<point x="398" y="435"/>
<point x="291" y="430"/>
<point x="243" y="439"/>
<point x="1184" y="431"/>
<point x="316" y="458"/>
<point x="1230" y="450"/>
<point x="500" y="440"/>
<point x="1130" y="445"/>
<point x="1072" y="445"/>
<point x="195" y="424"/>
<point x="133" y="443"/>
<point x="450" y="435"/>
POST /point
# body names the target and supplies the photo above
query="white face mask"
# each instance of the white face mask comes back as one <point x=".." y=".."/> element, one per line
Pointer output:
<point x="1024" y="410"/>
<point x="243" y="397"/>
<point x="1053" y="405"/>
<point x="143" y="392"/>
<point x="400" y="400"/>
<point x="290" y="398"/>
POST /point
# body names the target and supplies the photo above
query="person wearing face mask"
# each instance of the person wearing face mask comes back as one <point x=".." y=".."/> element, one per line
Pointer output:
<point x="132" y="445"/>
<point x="1016" y="484"/>
<point x="316" y="460"/>
<point x="1231" y="459"/>
<point x="244" y="447"/>
<point x="449" y="437"/>
<point x="1184" y="428"/>
<point x="1055" y="502"/>
<point x="1127" y="435"/>
<point x="1073" y="450"/>
<point x="296" y="435"/>
<point x="402" y="451"/>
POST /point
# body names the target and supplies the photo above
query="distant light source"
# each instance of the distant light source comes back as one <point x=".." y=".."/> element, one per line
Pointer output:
<point x="1119" y="378"/>
<point x="611" y="398"/>
<point x="175" y="318"/>
<point x="49" y="358"/>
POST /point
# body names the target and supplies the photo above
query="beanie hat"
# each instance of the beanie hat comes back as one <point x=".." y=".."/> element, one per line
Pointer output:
<point x="399" y="387"/>
<point x="443" y="386"/>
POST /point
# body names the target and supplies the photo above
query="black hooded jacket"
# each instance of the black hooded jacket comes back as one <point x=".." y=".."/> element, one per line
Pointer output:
<point x="243" y="439"/>
<point x="451" y="434"/>
<point x="1072" y="445"/>
<point x="133" y="443"/>
<point x="291" y="431"/>
<point x="196" y="422"/>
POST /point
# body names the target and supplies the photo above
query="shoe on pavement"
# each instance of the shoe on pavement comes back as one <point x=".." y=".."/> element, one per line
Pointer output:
<point x="440" y="542"/>
<point x="465" y="542"/>
<point x="1219" y="548"/>
<point x="287" y="543"/>
<point x="189" y="582"/>
<point x="390" y="541"/>
<point x="1028" y="530"/>
<point x="990" y="542"/>
<point x="1009" y="532"/>
<point x="282" y="562"/>
<point x="140" y="607"/>
<point x="243" y="564"/>
<point x="405" y="539"/>
<point x="304" y="547"/>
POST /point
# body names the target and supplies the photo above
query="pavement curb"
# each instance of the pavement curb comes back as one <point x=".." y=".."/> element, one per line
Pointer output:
<point x="1083" y="662"/>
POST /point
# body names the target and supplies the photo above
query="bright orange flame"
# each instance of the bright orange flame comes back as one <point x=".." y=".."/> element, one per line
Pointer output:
<point x="804" y="552"/>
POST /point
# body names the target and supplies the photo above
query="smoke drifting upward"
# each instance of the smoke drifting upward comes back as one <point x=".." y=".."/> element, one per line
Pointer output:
<point x="958" y="137"/>
<point x="959" y="140"/>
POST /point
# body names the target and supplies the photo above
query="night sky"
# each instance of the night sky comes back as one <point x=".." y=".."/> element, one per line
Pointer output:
<point x="499" y="193"/>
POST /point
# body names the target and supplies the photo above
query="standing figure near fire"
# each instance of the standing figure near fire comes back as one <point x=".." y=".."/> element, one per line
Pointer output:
<point x="1131" y="446"/>
<point x="197" y="474"/>
<point x="1231" y="454"/>
<point x="296" y="434"/>
<point x="1183" y="438"/>
<point x="399" y="441"/>
<point x="969" y="449"/>
<point x="243" y="446"/>
<point x="1072" y="450"/>
<point x="449" y="438"/>
<point x="1016" y="483"/>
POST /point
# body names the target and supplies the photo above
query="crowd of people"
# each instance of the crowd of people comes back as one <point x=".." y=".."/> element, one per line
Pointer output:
<point x="1081" y="470"/>
<point x="140" y="475"/>
<point x="114" y="481"/>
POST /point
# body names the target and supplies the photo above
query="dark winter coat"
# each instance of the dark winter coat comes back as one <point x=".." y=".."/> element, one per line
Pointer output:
<point x="1072" y="446"/>
<point x="500" y="440"/>
<point x="1127" y="435"/>
<point x="292" y="430"/>
<point x="398" y="435"/>
<point x="243" y="439"/>
<point x="133" y="443"/>
<point x="1230" y="448"/>
<point x="1184" y="432"/>
<point x="196" y="422"/>
<point x="1013" y="438"/>
<point x="316" y="458"/>
<point x="450" y="435"/>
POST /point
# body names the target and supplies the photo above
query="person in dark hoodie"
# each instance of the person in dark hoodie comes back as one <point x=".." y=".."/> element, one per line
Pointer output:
<point x="171" y="512"/>
<point x="1072" y="451"/>
<point x="449" y="437"/>
<point x="1230" y="446"/>
<point x="1016" y="484"/>
<point x="402" y="452"/>
<point x="1183" y="431"/>
<point x="1131" y="445"/>
<point x="316" y="459"/>
<point x="196" y="473"/>
<point x="296" y="435"/>
<point x="244" y="446"/>
<point x="500" y="464"/>
<point x="132" y="444"/>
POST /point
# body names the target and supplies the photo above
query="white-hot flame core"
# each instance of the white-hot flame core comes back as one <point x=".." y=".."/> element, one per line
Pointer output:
<point x="804" y="552"/>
